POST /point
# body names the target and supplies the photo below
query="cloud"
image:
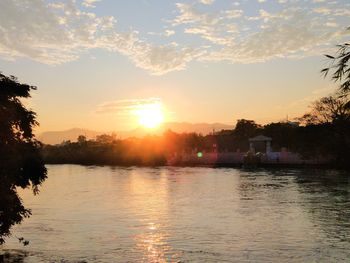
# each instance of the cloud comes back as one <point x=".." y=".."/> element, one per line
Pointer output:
<point x="234" y="13"/>
<point x="158" y="60"/>
<point x="206" y="2"/>
<point x="125" y="107"/>
<point x="293" y="32"/>
<point x="331" y="24"/>
<point x="322" y="10"/>
<point x="188" y="15"/>
<point x="299" y="105"/>
<point x="290" y="33"/>
<point x="61" y="31"/>
<point x="90" y="3"/>
<point x="169" y="33"/>
<point x="211" y="27"/>
<point x="48" y="33"/>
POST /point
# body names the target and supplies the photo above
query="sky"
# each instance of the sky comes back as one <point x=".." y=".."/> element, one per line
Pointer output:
<point x="94" y="61"/>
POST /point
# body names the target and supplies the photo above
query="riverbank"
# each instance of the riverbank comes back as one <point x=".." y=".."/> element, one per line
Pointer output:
<point x="206" y="159"/>
<point x="221" y="165"/>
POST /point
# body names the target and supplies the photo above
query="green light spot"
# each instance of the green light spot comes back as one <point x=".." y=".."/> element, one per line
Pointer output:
<point x="199" y="154"/>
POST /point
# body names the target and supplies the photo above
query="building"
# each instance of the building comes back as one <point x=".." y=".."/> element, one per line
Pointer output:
<point x="260" y="143"/>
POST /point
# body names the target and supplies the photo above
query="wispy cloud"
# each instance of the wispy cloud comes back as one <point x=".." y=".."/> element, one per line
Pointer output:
<point x="290" y="33"/>
<point x="61" y="31"/>
<point x="211" y="27"/>
<point x="293" y="32"/>
<point x="90" y="3"/>
<point x="125" y="107"/>
<point x="297" y="107"/>
<point x="206" y="2"/>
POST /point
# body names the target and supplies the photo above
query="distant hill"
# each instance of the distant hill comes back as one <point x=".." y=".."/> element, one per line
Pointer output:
<point x="179" y="127"/>
<point x="203" y="128"/>
<point x="56" y="137"/>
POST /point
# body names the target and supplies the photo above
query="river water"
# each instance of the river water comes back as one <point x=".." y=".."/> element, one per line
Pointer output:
<point x="171" y="214"/>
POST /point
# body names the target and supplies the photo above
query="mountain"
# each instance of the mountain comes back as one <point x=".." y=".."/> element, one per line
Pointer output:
<point x="203" y="128"/>
<point x="56" y="137"/>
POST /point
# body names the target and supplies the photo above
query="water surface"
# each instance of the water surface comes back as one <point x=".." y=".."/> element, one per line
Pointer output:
<point x="109" y="214"/>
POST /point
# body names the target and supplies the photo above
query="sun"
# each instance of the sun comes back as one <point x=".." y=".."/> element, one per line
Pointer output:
<point x="150" y="115"/>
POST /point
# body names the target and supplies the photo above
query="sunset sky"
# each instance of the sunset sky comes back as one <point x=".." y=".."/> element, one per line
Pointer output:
<point x="95" y="62"/>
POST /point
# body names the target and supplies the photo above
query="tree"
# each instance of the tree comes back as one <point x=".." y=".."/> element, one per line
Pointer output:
<point x="340" y="70"/>
<point x="81" y="139"/>
<point x="340" y="67"/>
<point x="283" y="134"/>
<point x="106" y="138"/>
<point x="21" y="164"/>
<point x="327" y="130"/>
<point x="328" y="109"/>
<point x="246" y="129"/>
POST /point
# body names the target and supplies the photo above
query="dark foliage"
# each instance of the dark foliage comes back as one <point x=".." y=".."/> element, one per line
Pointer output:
<point x="331" y="109"/>
<point x="21" y="164"/>
<point x="339" y="68"/>
<point x="106" y="149"/>
<point x="329" y="140"/>
<point x="284" y="134"/>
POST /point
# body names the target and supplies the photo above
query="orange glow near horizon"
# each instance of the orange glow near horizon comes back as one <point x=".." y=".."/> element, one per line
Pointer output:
<point x="150" y="115"/>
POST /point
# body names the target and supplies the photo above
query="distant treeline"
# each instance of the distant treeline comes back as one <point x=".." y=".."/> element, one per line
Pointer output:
<point x="324" y="132"/>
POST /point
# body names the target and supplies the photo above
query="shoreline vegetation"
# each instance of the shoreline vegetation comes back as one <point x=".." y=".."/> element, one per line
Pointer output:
<point x="293" y="144"/>
<point x="218" y="166"/>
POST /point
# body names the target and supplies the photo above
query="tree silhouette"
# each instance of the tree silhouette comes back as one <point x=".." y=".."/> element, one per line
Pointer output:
<point x="246" y="129"/>
<point x="340" y="68"/>
<point x="21" y="164"/>
<point x="328" y="109"/>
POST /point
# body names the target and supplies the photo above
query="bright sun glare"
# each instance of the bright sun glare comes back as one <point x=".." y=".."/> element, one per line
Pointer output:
<point x="150" y="115"/>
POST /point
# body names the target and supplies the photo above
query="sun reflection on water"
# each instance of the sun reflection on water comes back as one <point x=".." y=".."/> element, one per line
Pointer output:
<point x="154" y="246"/>
<point x="152" y="240"/>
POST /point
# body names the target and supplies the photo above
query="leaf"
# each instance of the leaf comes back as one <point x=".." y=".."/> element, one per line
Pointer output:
<point x="325" y="72"/>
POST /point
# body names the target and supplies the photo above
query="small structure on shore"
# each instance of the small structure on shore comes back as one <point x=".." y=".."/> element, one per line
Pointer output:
<point x="260" y="143"/>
